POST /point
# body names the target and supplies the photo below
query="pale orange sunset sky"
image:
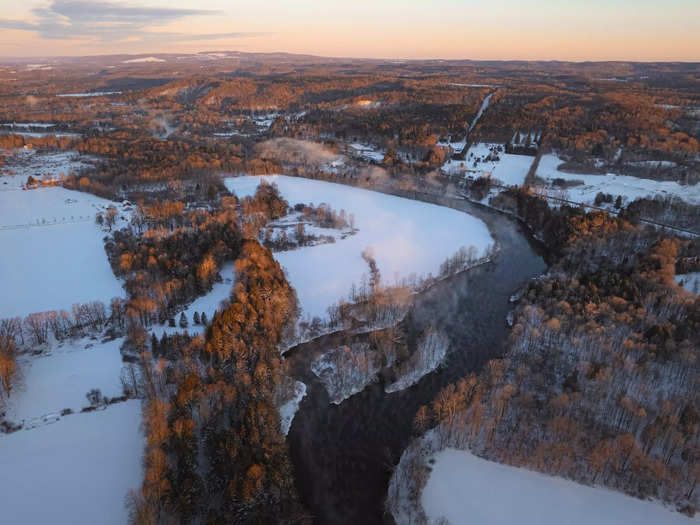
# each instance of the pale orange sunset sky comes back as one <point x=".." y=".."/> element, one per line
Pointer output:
<point x="537" y="29"/>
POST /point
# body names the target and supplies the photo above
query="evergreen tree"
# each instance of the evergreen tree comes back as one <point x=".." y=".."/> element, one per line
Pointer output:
<point x="183" y="320"/>
<point x="195" y="318"/>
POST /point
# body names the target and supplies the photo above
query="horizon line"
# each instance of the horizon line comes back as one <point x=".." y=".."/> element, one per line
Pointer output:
<point x="360" y="58"/>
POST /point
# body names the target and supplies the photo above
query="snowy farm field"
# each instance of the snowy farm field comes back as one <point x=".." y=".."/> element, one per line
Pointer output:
<point x="53" y="253"/>
<point x="405" y="237"/>
<point x="77" y="470"/>
<point x="484" y="160"/>
<point x="630" y="188"/>
<point x="61" y="378"/>
<point x="466" y="489"/>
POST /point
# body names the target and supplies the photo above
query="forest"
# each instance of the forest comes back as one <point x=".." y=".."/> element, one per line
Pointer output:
<point x="596" y="379"/>
<point x="598" y="382"/>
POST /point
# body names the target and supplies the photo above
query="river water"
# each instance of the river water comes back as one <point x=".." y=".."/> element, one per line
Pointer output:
<point x="343" y="455"/>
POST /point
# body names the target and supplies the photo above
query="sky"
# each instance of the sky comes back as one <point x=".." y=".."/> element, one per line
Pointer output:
<point x="577" y="30"/>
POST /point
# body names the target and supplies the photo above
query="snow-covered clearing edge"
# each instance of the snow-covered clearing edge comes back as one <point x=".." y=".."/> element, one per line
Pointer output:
<point x="410" y="476"/>
<point x="289" y="409"/>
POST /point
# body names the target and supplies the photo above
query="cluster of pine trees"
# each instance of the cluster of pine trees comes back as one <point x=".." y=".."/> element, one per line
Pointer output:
<point x="214" y="451"/>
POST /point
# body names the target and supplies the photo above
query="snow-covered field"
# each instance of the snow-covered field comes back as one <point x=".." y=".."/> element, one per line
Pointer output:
<point x="509" y="169"/>
<point x="629" y="187"/>
<point x="91" y="94"/>
<point x="61" y="378"/>
<point x="77" y="470"/>
<point x="466" y="489"/>
<point x="406" y="237"/>
<point x="53" y="253"/>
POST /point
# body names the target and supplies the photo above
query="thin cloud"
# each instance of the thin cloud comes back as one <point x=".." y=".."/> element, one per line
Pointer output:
<point x="109" y="22"/>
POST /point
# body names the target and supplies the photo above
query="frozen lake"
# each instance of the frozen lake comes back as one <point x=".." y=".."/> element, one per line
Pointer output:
<point x="406" y="237"/>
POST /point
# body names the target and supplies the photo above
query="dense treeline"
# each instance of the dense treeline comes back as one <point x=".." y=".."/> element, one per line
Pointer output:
<point x="151" y="164"/>
<point x="19" y="334"/>
<point x="665" y="210"/>
<point x="599" y="380"/>
<point x="560" y="228"/>
<point x="215" y="452"/>
<point x="168" y="256"/>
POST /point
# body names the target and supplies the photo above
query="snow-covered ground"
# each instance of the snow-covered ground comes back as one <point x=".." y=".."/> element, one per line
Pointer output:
<point x="629" y="187"/>
<point x="144" y="59"/>
<point x="53" y="253"/>
<point x="48" y="205"/>
<point x="289" y="409"/>
<point x="37" y="134"/>
<point x="367" y="152"/>
<point x="406" y="237"/>
<point x="509" y="169"/>
<point x="60" y="379"/>
<point x="466" y="489"/>
<point x="20" y="164"/>
<point x="77" y="470"/>
<point x="431" y="351"/>
<point x="26" y="125"/>
<point x="474" y="85"/>
<point x="346" y="370"/>
<point x="690" y="281"/>
<point x="483" y="107"/>
<point x="208" y="304"/>
<point x="91" y="94"/>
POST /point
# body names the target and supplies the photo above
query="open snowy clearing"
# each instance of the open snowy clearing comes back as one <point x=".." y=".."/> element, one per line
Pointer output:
<point x="406" y="238"/>
<point x="481" y="162"/>
<point x="630" y="188"/>
<point x="208" y="304"/>
<point x="689" y="281"/>
<point x="60" y="379"/>
<point x="466" y="489"/>
<point x="77" y="470"/>
<point x="53" y="251"/>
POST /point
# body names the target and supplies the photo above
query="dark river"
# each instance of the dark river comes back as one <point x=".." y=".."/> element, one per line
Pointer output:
<point x="343" y="455"/>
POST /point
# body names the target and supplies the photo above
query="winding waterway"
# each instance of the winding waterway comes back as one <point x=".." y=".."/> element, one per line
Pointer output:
<point x="344" y="454"/>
